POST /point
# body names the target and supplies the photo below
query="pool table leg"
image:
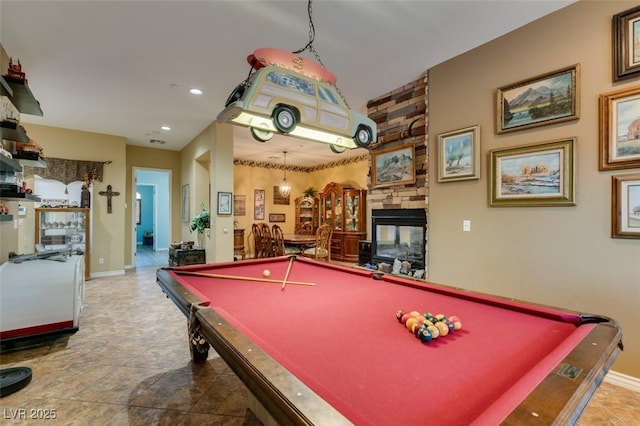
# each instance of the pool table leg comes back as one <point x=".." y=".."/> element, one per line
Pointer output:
<point x="198" y="345"/>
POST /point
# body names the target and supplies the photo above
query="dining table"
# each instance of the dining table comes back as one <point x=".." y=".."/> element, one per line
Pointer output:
<point x="300" y="241"/>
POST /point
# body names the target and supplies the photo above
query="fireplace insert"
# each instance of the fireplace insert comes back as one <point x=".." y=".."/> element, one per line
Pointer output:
<point x="399" y="234"/>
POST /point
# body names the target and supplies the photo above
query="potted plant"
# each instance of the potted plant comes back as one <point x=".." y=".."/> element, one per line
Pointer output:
<point x="309" y="192"/>
<point x="201" y="221"/>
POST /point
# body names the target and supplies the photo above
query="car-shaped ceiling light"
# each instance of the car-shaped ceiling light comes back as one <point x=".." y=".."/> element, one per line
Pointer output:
<point x="294" y="96"/>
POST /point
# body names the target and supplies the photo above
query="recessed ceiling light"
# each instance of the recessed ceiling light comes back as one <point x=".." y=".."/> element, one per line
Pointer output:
<point x="167" y="128"/>
<point x="195" y="91"/>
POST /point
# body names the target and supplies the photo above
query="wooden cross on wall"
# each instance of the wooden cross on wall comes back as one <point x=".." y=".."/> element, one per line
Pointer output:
<point x="109" y="193"/>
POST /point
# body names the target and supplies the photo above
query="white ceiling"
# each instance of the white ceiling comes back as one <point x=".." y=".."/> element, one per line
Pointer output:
<point x="124" y="67"/>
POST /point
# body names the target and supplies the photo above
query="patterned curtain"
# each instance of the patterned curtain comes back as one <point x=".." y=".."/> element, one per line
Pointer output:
<point x="67" y="171"/>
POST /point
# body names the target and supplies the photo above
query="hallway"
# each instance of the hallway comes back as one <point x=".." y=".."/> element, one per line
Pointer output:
<point x="146" y="256"/>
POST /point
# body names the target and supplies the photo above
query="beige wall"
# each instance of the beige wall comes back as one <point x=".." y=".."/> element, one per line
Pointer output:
<point x="107" y="228"/>
<point x="563" y="256"/>
<point x="208" y="160"/>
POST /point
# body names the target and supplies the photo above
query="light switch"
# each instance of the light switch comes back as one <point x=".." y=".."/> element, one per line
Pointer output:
<point x="466" y="225"/>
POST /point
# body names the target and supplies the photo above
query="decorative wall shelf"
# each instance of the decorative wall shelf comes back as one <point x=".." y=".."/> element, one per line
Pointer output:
<point x="21" y="96"/>
<point x="15" y="196"/>
<point x="12" y="133"/>
<point x="9" y="165"/>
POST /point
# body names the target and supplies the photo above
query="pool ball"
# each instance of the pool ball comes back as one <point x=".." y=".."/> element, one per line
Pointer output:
<point x="266" y="273"/>
<point x="457" y="324"/>
<point x="444" y="330"/>
<point x="449" y="325"/>
<point x="399" y="315"/>
<point x="435" y="331"/>
<point x="404" y="318"/>
<point x="410" y="323"/>
<point x="425" y="335"/>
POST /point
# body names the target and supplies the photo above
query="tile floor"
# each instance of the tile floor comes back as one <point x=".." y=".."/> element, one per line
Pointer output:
<point x="129" y="364"/>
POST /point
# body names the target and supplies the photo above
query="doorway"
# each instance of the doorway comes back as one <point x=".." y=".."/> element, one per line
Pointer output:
<point x="151" y="217"/>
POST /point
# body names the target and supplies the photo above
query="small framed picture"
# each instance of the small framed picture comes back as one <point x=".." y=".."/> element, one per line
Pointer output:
<point x="459" y="155"/>
<point x="225" y="203"/>
<point x="626" y="54"/>
<point x="545" y="99"/>
<point x="533" y="175"/>
<point x="277" y="217"/>
<point x="625" y="206"/>
<point x="393" y="166"/>
<point x="620" y="130"/>
<point x="258" y="204"/>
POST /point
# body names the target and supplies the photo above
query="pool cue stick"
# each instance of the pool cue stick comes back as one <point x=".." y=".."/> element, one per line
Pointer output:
<point x="286" y="277"/>
<point x="239" y="278"/>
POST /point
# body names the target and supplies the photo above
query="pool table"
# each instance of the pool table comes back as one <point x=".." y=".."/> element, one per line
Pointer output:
<point x="326" y="347"/>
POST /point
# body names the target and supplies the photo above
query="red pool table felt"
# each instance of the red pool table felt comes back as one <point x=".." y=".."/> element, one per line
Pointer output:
<point x="342" y="339"/>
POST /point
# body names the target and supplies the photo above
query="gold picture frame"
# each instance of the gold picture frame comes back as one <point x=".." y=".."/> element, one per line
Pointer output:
<point x="619" y="111"/>
<point x="393" y="166"/>
<point x="545" y="99"/>
<point x="626" y="55"/>
<point x="459" y="155"/>
<point x="625" y="206"/>
<point x="541" y="174"/>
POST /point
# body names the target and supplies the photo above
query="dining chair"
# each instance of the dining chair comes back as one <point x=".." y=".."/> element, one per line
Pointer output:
<point x="322" y="249"/>
<point x="307" y="228"/>
<point x="266" y="240"/>
<point x="278" y="240"/>
<point x="257" y="240"/>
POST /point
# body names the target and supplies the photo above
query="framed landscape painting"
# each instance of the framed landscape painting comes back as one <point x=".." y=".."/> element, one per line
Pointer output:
<point x="459" y="155"/>
<point x="542" y="100"/>
<point x="534" y="175"/>
<point x="625" y="206"/>
<point x="620" y="130"/>
<point x="393" y="166"/>
<point x="626" y="44"/>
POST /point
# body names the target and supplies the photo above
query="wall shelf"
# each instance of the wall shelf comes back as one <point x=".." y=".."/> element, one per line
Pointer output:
<point x="9" y="165"/>
<point x="30" y="162"/>
<point x="21" y="96"/>
<point x="12" y="133"/>
<point x="5" y="89"/>
<point x="15" y="196"/>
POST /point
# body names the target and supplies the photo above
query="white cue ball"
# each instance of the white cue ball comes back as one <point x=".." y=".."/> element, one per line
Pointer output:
<point x="266" y="272"/>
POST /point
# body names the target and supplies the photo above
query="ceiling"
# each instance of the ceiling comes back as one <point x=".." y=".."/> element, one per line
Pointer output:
<point x="124" y="67"/>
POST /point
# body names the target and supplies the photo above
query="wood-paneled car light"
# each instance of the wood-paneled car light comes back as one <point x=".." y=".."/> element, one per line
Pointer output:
<point x="293" y="96"/>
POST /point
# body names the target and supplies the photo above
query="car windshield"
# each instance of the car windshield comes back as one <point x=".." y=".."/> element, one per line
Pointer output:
<point x="327" y="95"/>
<point x="291" y="82"/>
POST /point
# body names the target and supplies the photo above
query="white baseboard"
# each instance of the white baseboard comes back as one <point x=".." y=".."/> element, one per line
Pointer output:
<point x="107" y="274"/>
<point x="622" y="380"/>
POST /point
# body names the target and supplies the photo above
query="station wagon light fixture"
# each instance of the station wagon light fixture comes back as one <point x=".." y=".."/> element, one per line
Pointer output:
<point x="285" y="186"/>
<point x="287" y="94"/>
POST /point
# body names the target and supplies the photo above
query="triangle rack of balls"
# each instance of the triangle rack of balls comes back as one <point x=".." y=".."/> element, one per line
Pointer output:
<point x="426" y="326"/>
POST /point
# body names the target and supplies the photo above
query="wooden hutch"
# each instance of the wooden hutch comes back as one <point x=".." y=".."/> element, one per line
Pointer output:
<point x="344" y="208"/>
<point x="307" y="211"/>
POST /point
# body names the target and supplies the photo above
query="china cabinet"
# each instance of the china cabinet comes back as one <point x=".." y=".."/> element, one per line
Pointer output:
<point x="59" y="228"/>
<point x="344" y="208"/>
<point x="307" y="212"/>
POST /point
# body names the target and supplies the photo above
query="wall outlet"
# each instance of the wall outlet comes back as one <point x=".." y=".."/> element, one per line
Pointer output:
<point x="101" y="260"/>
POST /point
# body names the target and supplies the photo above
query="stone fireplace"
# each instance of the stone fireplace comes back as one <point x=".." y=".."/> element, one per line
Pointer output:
<point x="399" y="234"/>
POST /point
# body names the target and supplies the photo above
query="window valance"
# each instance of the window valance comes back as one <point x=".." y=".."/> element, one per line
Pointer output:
<point x="67" y="171"/>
